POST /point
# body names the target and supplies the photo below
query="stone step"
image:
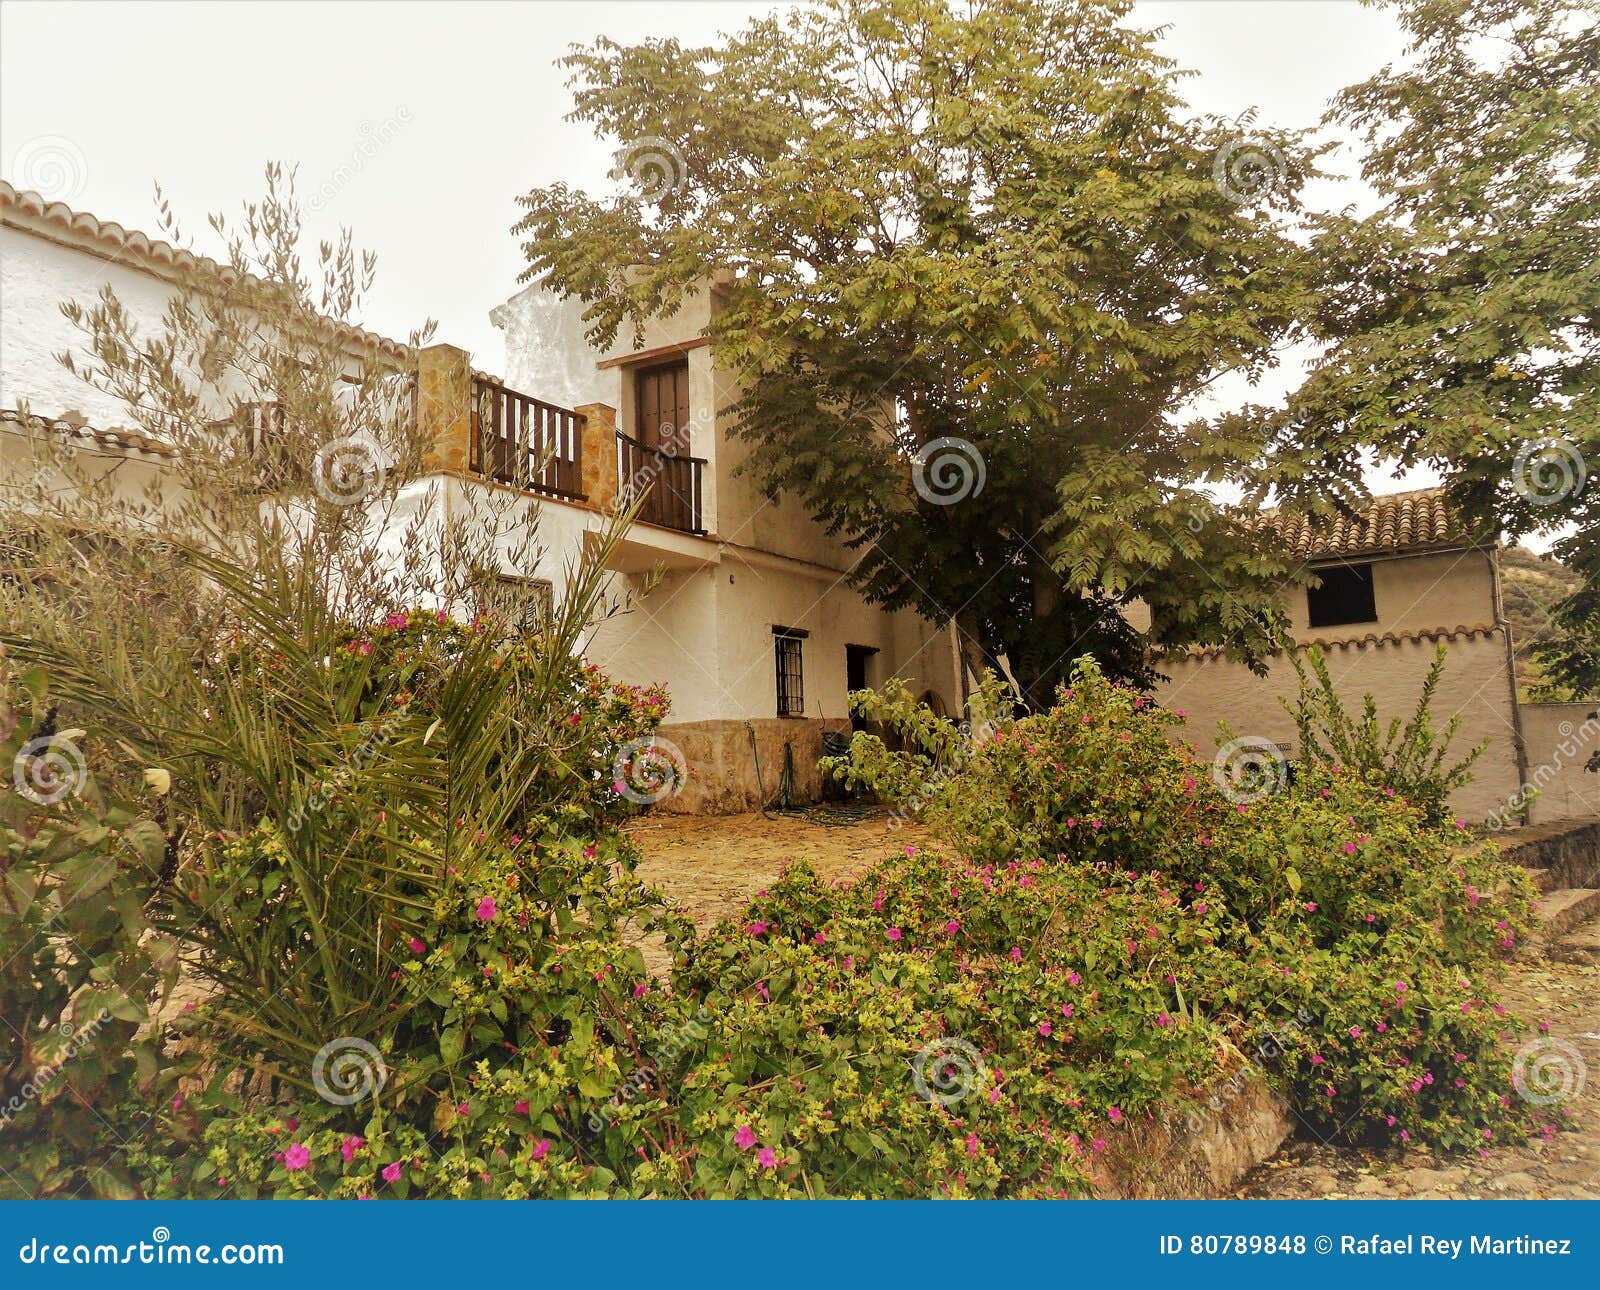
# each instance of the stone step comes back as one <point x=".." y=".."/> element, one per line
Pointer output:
<point x="1561" y="911"/>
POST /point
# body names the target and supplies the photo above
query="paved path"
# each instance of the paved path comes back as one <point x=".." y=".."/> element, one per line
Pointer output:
<point x="1563" y="990"/>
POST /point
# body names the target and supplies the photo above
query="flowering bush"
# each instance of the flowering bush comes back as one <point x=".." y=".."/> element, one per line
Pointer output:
<point x="1315" y="901"/>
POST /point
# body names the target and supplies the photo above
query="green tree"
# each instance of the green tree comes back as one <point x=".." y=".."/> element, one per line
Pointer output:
<point x="995" y="223"/>
<point x="1463" y="317"/>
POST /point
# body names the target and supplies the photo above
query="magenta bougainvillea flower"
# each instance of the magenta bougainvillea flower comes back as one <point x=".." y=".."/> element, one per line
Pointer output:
<point x="298" y="1156"/>
<point x="391" y="1173"/>
<point x="350" y="1146"/>
<point x="895" y="934"/>
<point x="486" y="909"/>
<point x="745" y="1137"/>
<point x="541" y="1149"/>
<point x="767" y="1158"/>
<point x="417" y="947"/>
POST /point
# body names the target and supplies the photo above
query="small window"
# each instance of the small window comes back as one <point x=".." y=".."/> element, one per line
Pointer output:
<point x="1345" y="596"/>
<point x="524" y="603"/>
<point x="786" y="642"/>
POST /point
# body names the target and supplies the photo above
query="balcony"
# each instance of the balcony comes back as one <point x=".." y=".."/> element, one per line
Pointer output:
<point x="519" y="440"/>
<point x="674" y="482"/>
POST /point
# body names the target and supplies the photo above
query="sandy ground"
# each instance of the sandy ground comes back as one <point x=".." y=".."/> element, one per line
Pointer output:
<point x="713" y="864"/>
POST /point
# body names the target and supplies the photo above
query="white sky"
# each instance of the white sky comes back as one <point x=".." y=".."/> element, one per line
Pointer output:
<point x="442" y="113"/>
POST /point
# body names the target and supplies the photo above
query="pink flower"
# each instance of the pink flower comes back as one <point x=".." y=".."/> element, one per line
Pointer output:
<point x="1349" y="848"/>
<point x="521" y="1108"/>
<point x="1016" y="954"/>
<point x="1099" y="1144"/>
<point x="485" y="909"/>
<point x="1114" y="1114"/>
<point x="1316" y="1059"/>
<point x="1045" y="1028"/>
<point x="1355" y="1032"/>
<point x="417" y="947"/>
<point x="1200" y="908"/>
<point x="756" y="928"/>
<point x="1066" y="1010"/>
<point x="1311" y="906"/>
<point x="952" y="927"/>
<point x="391" y="1173"/>
<point x="619" y="788"/>
<point x="911" y="851"/>
<point x="541" y="1149"/>
<point x="1073" y="978"/>
<point x="972" y="1145"/>
<point x="1163" y="1020"/>
<point x="298" y="1156"/>
<point x="640" y="990"/>
<point x="350" y="1146"/>
<point x="821" y="938"/>
<point x="767" y="1158"/>
<point x="745" y="1137"/>
<point x="894" y="933"/>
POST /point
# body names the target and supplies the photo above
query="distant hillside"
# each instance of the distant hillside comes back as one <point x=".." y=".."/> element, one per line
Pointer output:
<point x="1532" y="585"/>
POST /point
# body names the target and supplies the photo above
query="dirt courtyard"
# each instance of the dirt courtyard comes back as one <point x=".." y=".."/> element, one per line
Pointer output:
<point x="713" y="864"/>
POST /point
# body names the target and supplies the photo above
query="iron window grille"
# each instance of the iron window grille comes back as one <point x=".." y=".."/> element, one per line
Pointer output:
<point x="786" y="643"/>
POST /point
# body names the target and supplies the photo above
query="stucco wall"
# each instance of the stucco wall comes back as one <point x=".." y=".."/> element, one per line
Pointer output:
<point x="1561" y="737"/>
<point x="1414" y="593"/>
<point x="36" y="275"/>
<point x="1476" y="684"/>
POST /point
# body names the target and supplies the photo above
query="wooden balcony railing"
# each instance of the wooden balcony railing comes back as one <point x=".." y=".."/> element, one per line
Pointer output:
<point x="519" y="440"/>
<point x="672" y="478"/>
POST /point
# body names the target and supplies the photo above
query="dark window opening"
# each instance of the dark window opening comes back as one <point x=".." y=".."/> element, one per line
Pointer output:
<point x="661" y="407"/>
<point x="855" y="675"/>
<point x="791" y="684"/>
<point x="1345" y="596"/>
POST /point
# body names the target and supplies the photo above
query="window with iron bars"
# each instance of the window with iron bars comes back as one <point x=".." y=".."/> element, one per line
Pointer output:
<point x="791" y="682"/>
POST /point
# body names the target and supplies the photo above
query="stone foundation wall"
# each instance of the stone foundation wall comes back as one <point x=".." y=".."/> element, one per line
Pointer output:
<point x="1202" y="1148"/>
<point x="722" y="767"/>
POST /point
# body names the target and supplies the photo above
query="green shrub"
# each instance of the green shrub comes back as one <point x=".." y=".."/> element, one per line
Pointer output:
<point x="1408" y="758"/>
<point x="81" y="972"/>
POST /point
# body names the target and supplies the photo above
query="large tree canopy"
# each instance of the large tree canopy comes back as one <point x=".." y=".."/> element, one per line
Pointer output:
<point x="994" y="223"/>
<point x="1463" y="317"/>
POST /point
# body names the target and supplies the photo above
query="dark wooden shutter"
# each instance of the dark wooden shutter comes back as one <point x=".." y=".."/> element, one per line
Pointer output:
<point x="661" y="407"/>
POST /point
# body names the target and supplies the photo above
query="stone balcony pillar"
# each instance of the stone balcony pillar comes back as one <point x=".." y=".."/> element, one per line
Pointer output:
<point x="444" y="407"/>
<point x="599" y="455"/>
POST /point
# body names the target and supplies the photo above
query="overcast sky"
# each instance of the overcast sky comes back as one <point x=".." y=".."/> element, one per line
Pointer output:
<point x="437" y="115"/>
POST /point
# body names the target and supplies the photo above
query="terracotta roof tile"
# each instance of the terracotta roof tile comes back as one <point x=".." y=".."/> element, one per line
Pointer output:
<point x="1428" y="635"/>
<point x="1398" y="521"/>
<point x="25" y="209"/>
<point x="111" y="438"/>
